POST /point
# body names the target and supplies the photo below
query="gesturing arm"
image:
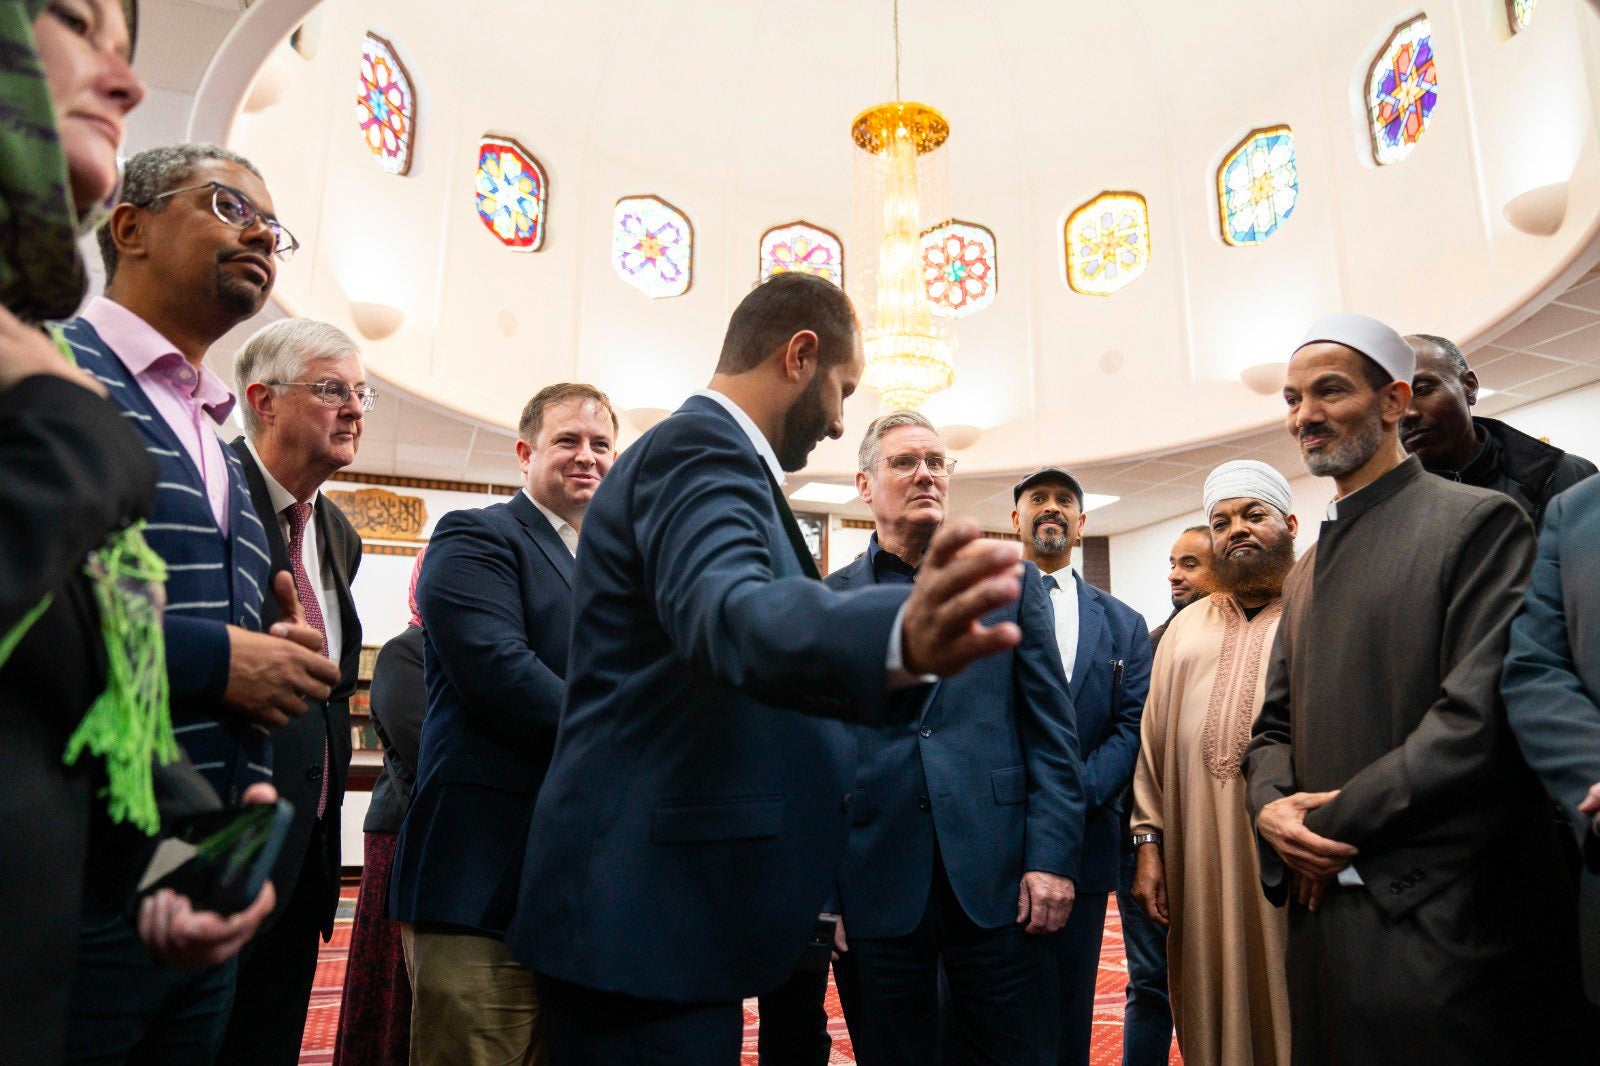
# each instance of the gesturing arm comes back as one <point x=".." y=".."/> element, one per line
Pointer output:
<point x="471" y="599"/>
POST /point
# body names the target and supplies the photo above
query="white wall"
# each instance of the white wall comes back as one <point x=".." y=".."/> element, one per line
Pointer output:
<point x="1139" y="557"/>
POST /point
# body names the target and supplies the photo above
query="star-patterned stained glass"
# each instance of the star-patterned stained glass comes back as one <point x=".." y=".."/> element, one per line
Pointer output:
<point x="1106" y="243"/>
<point x="1402" y="89"/>
<point x="512" y="193"/>
<point x="652" y="246"/>
<point x="386" y="105"/>
<point x="959" y="269"/>
<point x="800" y="246"/>
<point x="1520" y="12"/>
<point x="1258" y="185"/>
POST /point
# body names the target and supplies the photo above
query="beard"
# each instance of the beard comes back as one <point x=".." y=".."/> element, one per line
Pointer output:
<point x="1350" y="451"/>
<point x="1049" y="543"/>
<point x="238" y="296"/>
<point x="804" y="425"/>
<point x="1257" y="573"/>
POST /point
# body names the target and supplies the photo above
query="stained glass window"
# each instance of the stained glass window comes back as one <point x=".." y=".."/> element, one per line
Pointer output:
<point x="1258" y="185"/>
<point x="803" y="247"/>
<point x="1402" y="89"/>
<point x="1520" y="12"/>
<point x="652" y="246"/>
<point x="1107" y="243"/>
<point x="386" y="106"/>
<point x="511" y="190"/>
<point x="959" y="268"/>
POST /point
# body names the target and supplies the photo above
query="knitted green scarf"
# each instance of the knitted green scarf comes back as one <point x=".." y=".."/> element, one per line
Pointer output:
<point x="41" y="278"/>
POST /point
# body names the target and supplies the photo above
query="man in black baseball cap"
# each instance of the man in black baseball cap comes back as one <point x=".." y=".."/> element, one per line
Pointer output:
<point x="1105" y="651"/>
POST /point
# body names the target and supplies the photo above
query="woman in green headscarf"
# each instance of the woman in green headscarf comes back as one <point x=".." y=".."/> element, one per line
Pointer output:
<point x="74" y="478"/>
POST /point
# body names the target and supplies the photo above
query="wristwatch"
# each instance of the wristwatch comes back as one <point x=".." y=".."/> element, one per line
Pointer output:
<point x="1146" y="838"/>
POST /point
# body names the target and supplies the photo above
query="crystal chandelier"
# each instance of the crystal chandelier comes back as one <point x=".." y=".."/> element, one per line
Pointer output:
<point x="907" y="360"/>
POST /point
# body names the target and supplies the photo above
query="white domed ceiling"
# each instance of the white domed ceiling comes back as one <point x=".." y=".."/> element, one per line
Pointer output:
<point x="738" y="114"/>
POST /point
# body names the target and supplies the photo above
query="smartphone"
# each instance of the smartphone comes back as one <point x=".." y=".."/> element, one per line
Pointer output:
<point x="219" y="859"/>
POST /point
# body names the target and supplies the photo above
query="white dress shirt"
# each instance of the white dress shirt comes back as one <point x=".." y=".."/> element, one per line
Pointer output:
<point x="1064" y="599"/>
<point x="563" y="528"/>
<point x="894" y="660"/>
<point x="310" y="555"/>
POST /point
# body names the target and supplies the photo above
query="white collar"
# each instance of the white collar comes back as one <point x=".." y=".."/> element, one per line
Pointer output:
<point x="757" y="438"/>
<point x="556" y="521"/>
<point x="282" y="499"/>
<point x="1065" y="576"/>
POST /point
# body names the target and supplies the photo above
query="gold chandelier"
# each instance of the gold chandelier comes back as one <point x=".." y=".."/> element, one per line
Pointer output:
<point x="907" y="360"/>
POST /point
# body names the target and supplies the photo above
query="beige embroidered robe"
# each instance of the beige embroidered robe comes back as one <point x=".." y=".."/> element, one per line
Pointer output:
<point x="1225" y="949"/>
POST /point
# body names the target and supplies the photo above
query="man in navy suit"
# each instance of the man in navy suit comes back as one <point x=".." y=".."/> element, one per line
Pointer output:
<point x="697" y="805"/>
<point x="1105" y="650"/>
<point x="968" y="814"/>
<point x="495" y="597"/>
<point x="1551" y="686"/>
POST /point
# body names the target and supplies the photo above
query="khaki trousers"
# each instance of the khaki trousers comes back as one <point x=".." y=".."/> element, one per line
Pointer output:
<point x="470" y="1003"/>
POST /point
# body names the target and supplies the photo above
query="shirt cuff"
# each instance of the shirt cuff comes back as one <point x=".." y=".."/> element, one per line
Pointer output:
<point x="1349" y="878"/>
<point x="895" y="663"/>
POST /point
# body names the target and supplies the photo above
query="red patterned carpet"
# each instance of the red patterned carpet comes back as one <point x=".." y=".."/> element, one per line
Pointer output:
<point x="323" y="1021"/>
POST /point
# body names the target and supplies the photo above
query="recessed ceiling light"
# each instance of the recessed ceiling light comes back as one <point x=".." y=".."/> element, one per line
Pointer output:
<point x="1091" y="500"/>
<point x="1484" y="394"/>
<point x="822" y="492"/>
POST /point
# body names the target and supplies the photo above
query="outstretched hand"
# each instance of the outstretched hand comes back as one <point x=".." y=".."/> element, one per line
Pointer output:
<point x="960" y="581"/>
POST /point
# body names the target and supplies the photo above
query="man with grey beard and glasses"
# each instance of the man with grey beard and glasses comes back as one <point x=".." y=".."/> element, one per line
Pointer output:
<point x="1430" y="916"/>
<point x="1105" y="651"/>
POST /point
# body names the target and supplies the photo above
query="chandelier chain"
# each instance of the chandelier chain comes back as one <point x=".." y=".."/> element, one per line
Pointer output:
<point x="897" y="49"/>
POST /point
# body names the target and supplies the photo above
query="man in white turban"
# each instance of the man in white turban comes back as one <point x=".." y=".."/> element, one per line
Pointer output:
<point x="1430" y="915"/>
<point x="1197" y="868"/>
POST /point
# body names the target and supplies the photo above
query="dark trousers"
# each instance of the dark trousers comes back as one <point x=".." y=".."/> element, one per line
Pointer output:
<point x="1147" y="1017"/>
<point x="129" y="1009"/>
<point x="593" y="1028"/>
<point x="276" y="972"/>
<point x="1001" y="991"/>
<point x="1077" y="952"/>
<point x="794" y="1022"/>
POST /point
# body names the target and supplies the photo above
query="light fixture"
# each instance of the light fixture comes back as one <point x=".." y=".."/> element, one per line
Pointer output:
<point x="1538" y="212"/>
<point x="960" y="437"/>
<point x="1091" y="500"/>
<point x="1265" y="378"/>
<point x="1484" y="394"/>
<point x="823" y="492"/>
<point x="907" y="360"/>
<point x="376" y="321"/>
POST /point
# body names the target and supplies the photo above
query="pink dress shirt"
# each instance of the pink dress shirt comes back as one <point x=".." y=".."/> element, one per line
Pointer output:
<point x="185" y="400"/>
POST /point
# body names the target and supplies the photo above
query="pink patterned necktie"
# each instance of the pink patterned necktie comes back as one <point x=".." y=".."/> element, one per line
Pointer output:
<point x="299" y="514"/>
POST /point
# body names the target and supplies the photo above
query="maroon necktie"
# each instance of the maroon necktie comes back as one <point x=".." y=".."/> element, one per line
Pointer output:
<point x="298" y="514"/>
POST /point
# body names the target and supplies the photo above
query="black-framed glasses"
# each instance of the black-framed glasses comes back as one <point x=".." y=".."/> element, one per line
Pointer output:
<point x="238" y="210"/>
<point x="906" y="465"/>
<point x="334" y="393"/>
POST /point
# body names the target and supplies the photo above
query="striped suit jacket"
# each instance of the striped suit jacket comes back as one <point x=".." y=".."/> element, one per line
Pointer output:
<point x="213" y="581"/>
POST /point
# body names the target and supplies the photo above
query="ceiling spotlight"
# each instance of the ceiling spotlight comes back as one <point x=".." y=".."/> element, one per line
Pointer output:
<point x="822" y="492"/>
<point x="1091" y="500"/>
<point x="376" y="321"/>
<point x="1538" y="212"/>
<point x="960" y="437"/>
<point x="1265" y="378"/>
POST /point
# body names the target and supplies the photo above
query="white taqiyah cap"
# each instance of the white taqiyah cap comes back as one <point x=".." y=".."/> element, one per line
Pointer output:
<point x="1368" y="336"/>
<point x="1246" y="479"/>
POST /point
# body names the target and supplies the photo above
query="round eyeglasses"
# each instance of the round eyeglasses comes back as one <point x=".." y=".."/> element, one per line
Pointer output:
<point x="906" y="465"/>
<point x="239" y="211"/>
<point x="333" y="393"/>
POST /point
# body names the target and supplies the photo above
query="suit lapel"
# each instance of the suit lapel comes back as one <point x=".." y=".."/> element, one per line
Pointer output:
<point x="543" y="534"/>
<point x="1091" y="626"/>
<point x="333" y="540"/>
<point x="797" y="539"/>
<point x="261" y="500"/>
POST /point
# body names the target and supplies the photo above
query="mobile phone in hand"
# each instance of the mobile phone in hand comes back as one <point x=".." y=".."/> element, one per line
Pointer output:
<point x="219" y="859"/>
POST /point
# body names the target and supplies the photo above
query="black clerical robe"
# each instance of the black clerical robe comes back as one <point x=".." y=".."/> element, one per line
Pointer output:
<point x="1384" y="684"/>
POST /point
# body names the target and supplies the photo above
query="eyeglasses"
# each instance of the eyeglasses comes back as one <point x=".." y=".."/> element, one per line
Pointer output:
<point x="906" y="465"/>
<point x="237" y="210"/>
<point x="334" y="393"/>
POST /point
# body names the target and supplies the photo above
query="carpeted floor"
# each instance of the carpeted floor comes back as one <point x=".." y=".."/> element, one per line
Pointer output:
<point x="323" y="1020"/>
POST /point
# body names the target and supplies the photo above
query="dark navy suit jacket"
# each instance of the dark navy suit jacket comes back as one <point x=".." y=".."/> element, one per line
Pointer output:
<point x="1109" y="700"/>
<point x="696" y="810"/>
<point x="1552" y="681"/>
<point x="990" y="768"/>
<point x="496" y="601"/>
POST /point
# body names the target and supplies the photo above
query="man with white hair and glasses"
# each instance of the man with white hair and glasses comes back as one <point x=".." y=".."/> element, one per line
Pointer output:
<point x="305" y="397"/>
